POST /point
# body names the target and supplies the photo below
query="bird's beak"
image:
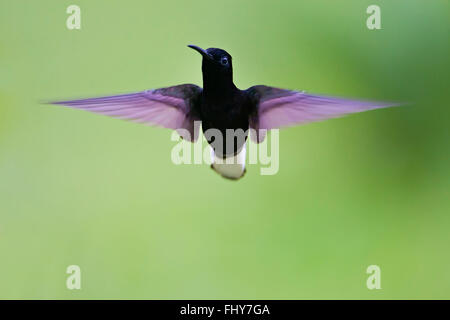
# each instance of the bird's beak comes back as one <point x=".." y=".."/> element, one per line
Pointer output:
<point x="201" y="51"/>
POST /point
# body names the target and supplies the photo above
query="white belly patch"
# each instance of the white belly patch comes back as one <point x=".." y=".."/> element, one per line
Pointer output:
<point x="231" y="167"/>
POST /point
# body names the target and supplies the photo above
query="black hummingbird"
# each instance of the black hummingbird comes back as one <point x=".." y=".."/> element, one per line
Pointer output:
<point x="220" y="105"/>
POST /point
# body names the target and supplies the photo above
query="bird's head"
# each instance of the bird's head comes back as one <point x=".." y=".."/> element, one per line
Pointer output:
<point x="216" y="62"/>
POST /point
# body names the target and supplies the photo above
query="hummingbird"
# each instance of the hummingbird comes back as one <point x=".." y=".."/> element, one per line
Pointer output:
<point x="221" y="106"/>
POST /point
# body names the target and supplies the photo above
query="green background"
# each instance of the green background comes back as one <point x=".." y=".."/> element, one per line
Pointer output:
<point x="78" y="188"/>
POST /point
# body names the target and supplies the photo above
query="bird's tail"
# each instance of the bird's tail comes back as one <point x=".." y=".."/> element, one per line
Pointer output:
<point x="232" y="167"/>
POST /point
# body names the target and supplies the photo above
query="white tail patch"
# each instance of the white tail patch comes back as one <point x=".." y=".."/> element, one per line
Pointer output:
<point x="231" y="167"/>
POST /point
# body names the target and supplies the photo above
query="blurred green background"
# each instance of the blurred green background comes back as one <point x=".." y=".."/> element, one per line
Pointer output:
<point x="79" y="188"/>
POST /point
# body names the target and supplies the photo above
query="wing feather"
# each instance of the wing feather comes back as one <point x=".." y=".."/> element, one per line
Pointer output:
<point x="278" y="108"/>
<point x="171" y="107"/>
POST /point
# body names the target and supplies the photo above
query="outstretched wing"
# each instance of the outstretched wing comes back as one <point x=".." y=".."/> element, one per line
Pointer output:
<point x="277" y="108"/>
<point x="171" y="107"/>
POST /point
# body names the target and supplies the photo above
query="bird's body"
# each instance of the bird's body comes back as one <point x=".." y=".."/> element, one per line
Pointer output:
<point x="222" y="107"/>
<point x="231" y="112"/>
<point x="222" y="114"/>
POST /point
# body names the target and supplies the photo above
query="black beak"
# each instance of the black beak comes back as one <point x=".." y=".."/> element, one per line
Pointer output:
<point x="201" y="51"/>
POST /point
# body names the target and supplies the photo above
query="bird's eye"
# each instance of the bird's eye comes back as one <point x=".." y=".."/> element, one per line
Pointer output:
<point x="224" y="61"/>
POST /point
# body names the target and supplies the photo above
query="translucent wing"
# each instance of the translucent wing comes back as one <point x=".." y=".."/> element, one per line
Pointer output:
<point x="171" y="107"/>
<point x="278" y="108"/>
